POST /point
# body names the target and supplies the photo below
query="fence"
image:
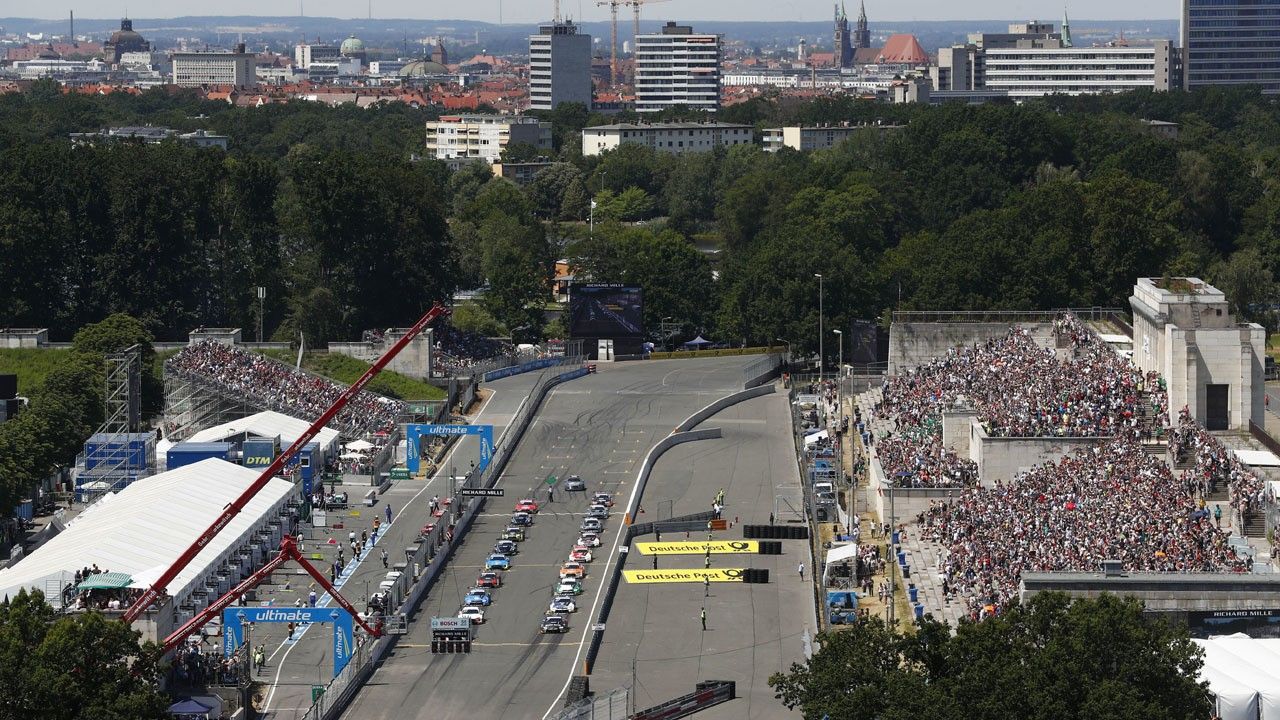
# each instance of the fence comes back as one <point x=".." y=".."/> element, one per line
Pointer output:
<point x="719" y="352"/>
<point x="609" y="707"/>
<point x="1005" y="316"/>
<point x="437" y="549"/>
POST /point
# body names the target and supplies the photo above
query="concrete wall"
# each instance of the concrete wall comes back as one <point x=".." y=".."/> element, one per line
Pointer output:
<point x="1166" y="591"/>
<point x="901" y="503"/>
<point x="1001" y="458"/>
<point x="414" y="360"/>
<point x="24" y="338"/>
<point x="956" y="429"/>
<point x="915" y="343"/>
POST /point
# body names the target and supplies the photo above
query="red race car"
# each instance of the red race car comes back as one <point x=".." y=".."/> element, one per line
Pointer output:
<point x="489" y="580"/>
<point x="527" y="505"/>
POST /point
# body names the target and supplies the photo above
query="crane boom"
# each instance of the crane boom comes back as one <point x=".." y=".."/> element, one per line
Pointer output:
<point x="230" y="511"/>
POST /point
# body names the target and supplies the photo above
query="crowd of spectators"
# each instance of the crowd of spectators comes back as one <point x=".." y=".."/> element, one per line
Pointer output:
<point x="195" y="667"/>
<point x="282" y="387"/>
<point x="458" y="350"/>
<point x="1112" y="501"/>
<point x="1018" y="389"/>
<point x="1213" y="465"/>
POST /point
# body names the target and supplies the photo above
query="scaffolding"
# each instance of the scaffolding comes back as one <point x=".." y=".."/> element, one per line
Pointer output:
<point x="118" y="453"/>
<point x="192" y="404"/>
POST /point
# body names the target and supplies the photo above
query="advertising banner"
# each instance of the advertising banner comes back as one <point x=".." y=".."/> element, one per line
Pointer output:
<point x="698" y="547"/>
<point x="690" y="575"/>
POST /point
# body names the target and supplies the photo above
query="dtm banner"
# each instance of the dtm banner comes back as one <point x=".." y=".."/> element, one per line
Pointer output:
<point x="700" y="547"/>
<point x="692" y="575"/>
<point x="235" y="618"/>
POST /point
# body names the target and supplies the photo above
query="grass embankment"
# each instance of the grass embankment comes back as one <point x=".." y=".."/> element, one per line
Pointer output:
<point x="31" y="365"/>
<point x="346" y="370"/>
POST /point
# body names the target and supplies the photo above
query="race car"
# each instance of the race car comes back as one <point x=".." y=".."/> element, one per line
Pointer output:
<point x="527" y="505"/>
<point x="580" y="553"/>
<point x="522" y="519"/>
<point x="592" y="524"/>
<point x="497" y="561"/>
<point x="426" y="531"/>
<point x="591" y="367"/>
<point x="589" y="539"/>
<point x="562" y="604"/>
<point x="568" y="586"/>
<point x="573" y="483"/>
<point x="477" y="596"/>
<point x="514" y="534"/>
<point x="602" y="498"/>
<point x="554" y="624"/>
<point x="472" y="613"/>
<point x="598" y="511"/>
<point x="489" y="580"/>
<point x="506" y="547"/>
<point x="573" y="569"/>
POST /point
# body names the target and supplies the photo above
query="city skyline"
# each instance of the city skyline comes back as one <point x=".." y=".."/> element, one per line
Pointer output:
<point x="527" y="11"/>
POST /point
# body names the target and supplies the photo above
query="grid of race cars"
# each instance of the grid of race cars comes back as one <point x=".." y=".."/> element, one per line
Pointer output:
<point x="570" y="574"/>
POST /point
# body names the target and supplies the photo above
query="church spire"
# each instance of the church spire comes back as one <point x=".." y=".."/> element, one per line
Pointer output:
<point x="862" y="12"/>
<point x="1066" y="28"/>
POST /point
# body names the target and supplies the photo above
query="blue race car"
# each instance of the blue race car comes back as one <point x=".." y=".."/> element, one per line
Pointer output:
<point x="477" y="596"/>
<point x="497" y="561"/>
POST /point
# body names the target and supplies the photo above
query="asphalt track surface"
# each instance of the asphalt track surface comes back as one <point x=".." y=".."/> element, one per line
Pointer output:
<point x="293" y="667"/>
<point x="753" y="630"/>
<point x="599" y="427"/>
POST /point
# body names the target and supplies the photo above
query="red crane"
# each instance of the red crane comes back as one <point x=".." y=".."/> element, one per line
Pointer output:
<point x="287" y="548"/>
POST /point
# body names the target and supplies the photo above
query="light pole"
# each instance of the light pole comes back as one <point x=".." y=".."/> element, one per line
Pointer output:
<point x="840" y="362"/>
<point x="262" y="295"/>
<point x="788" y="342"/>
<point x="820" y="368"/>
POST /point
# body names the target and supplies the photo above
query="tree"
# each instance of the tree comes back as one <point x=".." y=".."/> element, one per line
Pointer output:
<point x="1248" y="280"/>
<point x="575" y="202"/>
<point x="1051" y="659"/>
<point x="74" y="667"/>
<point x="627" y="206"/>
<point x="473" y="317"/>
<point x="547" y="191"/>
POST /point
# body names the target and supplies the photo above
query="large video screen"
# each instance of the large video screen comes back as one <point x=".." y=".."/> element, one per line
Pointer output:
<point x="605" y="311"/>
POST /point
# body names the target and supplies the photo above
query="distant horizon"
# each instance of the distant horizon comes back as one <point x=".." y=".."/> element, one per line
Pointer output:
<point x="870" y="21"/>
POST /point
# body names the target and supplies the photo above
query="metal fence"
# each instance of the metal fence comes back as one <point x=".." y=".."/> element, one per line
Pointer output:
<point x="613" y="706"/>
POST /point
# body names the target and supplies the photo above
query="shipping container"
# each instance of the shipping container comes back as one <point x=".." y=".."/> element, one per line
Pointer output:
<point x="187" y="453"/>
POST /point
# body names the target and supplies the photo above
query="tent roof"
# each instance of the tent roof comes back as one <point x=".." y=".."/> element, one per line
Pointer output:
<point x="105" y="581"/>
<point x="842" y="552"/>
<point x="1249" y="663"/>
<point x="699" y="341"/>
<point x="267" y="423"/>
<point x="189" y="706"/>
<point x="149" y="524"/>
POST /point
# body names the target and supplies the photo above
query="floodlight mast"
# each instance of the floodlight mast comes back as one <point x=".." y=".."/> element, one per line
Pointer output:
<point x="229" y="513"/>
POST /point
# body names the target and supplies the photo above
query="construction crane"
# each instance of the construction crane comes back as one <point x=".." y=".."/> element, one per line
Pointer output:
<point x="613" y="38"/>
<point x="288" y="549"/>
<point x="635" y="30"/>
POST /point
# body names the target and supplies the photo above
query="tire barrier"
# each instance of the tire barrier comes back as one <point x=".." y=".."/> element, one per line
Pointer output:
<point x="755" y="575"/>
<point x="579" y="688"/>
<point x="775" y="532"/>
<point x="770" y="547"/>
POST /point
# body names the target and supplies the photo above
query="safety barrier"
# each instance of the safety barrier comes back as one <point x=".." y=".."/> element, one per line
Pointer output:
<point x="720" y="352"/>
<point x="520" y="368"/>
<point x="706" y="694"/>
<point x="762" y="370"/>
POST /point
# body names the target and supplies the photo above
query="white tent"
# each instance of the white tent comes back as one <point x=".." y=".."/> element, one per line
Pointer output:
<point x="815" y="437"/>
<point x="359" y="445"/>
<point x="270" y="424"/>
<point x="839" y="553"/>
<point x="149" y="524"/>
<point x="1252" y="669"/>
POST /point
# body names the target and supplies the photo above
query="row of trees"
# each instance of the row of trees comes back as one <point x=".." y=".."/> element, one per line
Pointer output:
<point x="1054" y="203"/>
<point x="1052" y="658"/>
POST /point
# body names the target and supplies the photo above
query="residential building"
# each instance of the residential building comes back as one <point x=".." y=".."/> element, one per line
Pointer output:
<point x="675" y="138"/>
<point x="1231" y="42"/>
<point x="559" y="66"/>
<point x="195" y="69"/>
<point x="304" y="54"/>
<point x="816" y="138"/>
<point x="521" y="173"/>
<point x="677" y="67"/>
<point x="465" y="137"/>
<point x="151" y="136"/>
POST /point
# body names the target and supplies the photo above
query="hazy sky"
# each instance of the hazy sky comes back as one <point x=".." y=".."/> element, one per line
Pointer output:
<point x="535" y="10"/>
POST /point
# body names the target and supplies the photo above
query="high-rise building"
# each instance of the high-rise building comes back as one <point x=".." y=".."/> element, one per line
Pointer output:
<point x="195" y="69"/>
<point x="862" y="33"/>
<point x="483" y="137"/>
<point x="842" y="43"/>
<point x="1231" y="42"/>
<point x="559" y="66"/>
<point x="305" y="54"/>
<point x="677" y="67"/>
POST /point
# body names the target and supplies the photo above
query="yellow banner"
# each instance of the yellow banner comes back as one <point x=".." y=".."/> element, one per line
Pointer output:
<point x="690" y="575"/>
<point x="699" y="547"/>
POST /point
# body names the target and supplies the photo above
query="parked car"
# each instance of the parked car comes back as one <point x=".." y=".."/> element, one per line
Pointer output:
<point x="573" y="483"/>
<point x="472" y="613"/>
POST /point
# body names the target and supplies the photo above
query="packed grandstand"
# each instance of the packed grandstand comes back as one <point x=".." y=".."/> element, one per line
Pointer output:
<point x="1111" y="501"/>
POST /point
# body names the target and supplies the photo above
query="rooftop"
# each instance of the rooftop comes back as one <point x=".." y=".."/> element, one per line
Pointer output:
<point x="668" y="126"/>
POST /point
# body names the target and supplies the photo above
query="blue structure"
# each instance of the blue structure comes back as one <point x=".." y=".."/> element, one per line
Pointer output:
<point x="233" y="619"/>
<point x="186" y="453"/>
<point x="259" y="453"/>
<point x="414" y="433"/>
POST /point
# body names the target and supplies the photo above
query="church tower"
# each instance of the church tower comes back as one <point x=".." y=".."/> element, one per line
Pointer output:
<point x="861" y="34"/>
<point x="842" y="45"/>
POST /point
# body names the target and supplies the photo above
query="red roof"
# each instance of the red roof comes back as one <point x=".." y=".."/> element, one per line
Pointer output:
<point x="903" y="50"/>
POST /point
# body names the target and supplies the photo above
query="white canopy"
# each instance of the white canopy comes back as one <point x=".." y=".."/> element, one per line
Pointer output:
<point x="815" y="437"/>
<point x="837" y="554"/>
<point x="1258" y="458"/>
<point x="359" y="445"/>
<point x="351" y="456"/>
<point x="270" y="424"/>
<point x="1252" y="670"/>
<point x="142" y="529"/>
